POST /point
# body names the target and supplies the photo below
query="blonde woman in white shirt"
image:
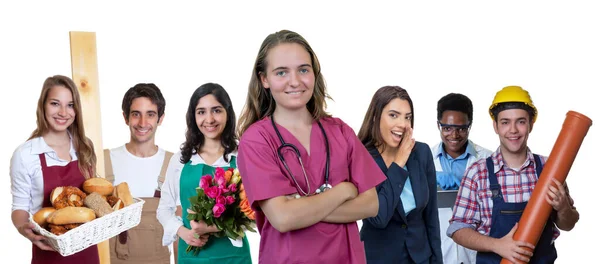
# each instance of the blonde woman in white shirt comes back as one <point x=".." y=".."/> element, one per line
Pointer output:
<point x="56" y="154"/>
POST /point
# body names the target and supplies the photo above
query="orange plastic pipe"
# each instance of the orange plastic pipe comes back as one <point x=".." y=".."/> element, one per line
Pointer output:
<point x="557" y="167"/>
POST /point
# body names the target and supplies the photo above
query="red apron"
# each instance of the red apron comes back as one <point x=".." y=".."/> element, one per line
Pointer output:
<point x="56" y="176"/>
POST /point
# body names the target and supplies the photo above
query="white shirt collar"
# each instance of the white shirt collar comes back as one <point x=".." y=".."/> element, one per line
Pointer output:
<point x="39" y="146"/>
<point x="196" y="159"/>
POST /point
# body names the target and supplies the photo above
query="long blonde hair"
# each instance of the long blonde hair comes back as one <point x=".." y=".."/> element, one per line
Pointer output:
<point x="260" y="102"/>
<point x="86" y="158"/>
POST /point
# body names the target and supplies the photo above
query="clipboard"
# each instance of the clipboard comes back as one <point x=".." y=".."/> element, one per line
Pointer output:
<point x="446" y="198"/>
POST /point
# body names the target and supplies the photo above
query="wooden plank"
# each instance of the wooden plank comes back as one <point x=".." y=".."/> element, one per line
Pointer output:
<point x="84" y="68"/>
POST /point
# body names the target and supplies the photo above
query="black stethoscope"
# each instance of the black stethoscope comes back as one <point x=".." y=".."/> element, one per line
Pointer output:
<point x="326" y="186"/>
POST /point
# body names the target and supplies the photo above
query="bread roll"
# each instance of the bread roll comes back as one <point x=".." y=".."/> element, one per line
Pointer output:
<point x="95" y="202"/>
<point x="98" y="185"/>
<point x="55" y="193"/>
<point x="71" y="215"/>
<point x="115" y="202"/>
<point x="122" y="192"/>
<point x="40" y="216"/>
<point x="65" y="196"/>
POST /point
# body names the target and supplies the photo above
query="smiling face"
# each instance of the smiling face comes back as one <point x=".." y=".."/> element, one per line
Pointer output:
<point x="59" y="109"/>
<point x="513" y="127"/>
<point x="289" y="76"/>
<point x="395" y="119"/>
<point x="211" y="117"/>
<point x="143" y="120"/>
<point x="454" y="131"/>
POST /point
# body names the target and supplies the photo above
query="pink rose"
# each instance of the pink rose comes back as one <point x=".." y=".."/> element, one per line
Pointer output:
<point x="224" y="189"/>
<point x="218" y="209"/>
<point x="212" y="192"/>
<point x="229" y="200"/>
<point x="219" y="173"/>
<point x="220" y="200"/>
<point x="205" y="181"/>
<point x="221" y="181"/>
<point x="233" y="187"/>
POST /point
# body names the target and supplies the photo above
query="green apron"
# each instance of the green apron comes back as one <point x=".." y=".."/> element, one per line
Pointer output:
<point x="217" y="249"/>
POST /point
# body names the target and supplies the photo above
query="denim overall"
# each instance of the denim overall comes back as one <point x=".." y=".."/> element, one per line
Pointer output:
<point x="504" y="217"/>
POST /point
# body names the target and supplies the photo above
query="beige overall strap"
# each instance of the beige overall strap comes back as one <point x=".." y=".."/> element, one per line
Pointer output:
<point x="108" y="169"/>
<point x="163" y="170"/>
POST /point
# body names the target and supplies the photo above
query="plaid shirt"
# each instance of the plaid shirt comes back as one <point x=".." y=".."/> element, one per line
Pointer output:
<point x="473" y="206"/>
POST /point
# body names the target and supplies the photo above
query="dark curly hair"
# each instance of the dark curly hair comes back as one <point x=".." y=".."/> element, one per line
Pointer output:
<point x="194" y="139"/>
<point x="148" y="90"/>
<point x="455" y="102"/>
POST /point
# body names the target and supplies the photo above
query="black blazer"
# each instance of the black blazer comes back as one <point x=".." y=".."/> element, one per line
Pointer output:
<point x="387" y="235"/>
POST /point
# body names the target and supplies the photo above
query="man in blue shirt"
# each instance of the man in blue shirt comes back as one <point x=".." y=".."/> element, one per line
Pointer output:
<point x="451" y="157"/>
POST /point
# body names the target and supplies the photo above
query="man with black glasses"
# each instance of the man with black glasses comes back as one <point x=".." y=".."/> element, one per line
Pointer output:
<point x="451" y="157"/>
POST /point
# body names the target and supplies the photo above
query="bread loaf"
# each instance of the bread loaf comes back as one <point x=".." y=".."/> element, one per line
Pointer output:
<point x="95" y="202"/>
<point x="122" y="192"/>
<point x="40" y="216"/>
<point x="98" y="185"/>
<point x="71" y="215"/>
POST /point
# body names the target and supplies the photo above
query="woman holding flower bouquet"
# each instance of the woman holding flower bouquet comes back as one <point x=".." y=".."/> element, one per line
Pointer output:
<point x="306" y="174"/>
<point x="209" y="149"/>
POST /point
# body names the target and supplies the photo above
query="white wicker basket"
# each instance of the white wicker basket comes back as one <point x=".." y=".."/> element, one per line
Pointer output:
<point x="96" y="231"/>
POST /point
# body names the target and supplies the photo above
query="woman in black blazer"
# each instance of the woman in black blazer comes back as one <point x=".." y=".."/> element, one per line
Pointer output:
<point x="406" y="228"/>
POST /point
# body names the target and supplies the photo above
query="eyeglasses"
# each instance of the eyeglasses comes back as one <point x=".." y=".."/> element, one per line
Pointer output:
<point x="450" y="129"/>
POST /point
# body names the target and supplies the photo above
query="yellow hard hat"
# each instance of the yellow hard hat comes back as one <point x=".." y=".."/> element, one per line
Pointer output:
<point x="513" y="94"/>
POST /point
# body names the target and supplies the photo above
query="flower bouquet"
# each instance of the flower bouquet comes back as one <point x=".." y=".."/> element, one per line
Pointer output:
<point x="221" y="201"/>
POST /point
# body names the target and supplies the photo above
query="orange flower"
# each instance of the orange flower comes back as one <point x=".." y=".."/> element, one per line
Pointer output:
<point x="242" y="192"/>
<point x="228" y="175"/>
<point x="246" y="209"/>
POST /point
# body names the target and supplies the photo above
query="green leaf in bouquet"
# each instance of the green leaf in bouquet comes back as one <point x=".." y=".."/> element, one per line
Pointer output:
<point x="219" y="225"/>
<point x="208" y="214"/>
<point x="191" y="217"/>
<point x="229" y="221"/>
<point x="231" y="225"/>
<point x="249" y="227"/>
<point x="194" y="250"/>
<point x="209" y="221"/>
<point x="199" y="210"/>
<point x="240" y="233"/>
<point x="231" y="234"/>
<point x="220" y="234"/>
<point x="200" y="192"/>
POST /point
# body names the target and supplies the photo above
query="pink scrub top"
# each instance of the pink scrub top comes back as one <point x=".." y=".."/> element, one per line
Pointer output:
<point x="264" y="177"/>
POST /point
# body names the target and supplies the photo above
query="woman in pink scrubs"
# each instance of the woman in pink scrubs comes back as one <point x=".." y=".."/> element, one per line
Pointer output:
<point x="306" y="174"/>
<point x="57" y="154"/>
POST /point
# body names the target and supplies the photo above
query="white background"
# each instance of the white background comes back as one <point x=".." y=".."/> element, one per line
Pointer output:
<point x="431" y="49"/>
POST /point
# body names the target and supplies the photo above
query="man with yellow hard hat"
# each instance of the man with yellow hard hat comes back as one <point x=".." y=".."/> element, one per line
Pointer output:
<point x="495" y="191"/>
